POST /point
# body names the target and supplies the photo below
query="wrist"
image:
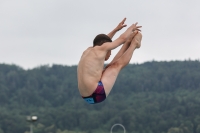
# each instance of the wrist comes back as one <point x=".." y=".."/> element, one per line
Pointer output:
<point x="116" y="30"/>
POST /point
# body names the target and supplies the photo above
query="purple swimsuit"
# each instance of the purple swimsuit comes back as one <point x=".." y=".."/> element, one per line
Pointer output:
<point x="98" y="96"/>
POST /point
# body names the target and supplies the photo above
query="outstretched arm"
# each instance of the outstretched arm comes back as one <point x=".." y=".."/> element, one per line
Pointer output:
<point x="119" y="27"/>
<point x="122" y="38"/>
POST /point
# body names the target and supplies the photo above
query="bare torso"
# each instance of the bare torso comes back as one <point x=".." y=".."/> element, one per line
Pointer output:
<point x="90" y="69"/>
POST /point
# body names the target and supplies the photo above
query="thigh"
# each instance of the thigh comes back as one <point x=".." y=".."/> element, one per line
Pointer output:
<point x="109" y="77"/>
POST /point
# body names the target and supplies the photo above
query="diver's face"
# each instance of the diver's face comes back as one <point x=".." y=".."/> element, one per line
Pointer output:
<point x="108" y="55"/>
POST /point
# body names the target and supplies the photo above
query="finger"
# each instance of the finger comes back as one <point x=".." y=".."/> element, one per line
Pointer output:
<point x="123" y="20"/>
<point x="136" y="30"/>
<point x="138" y="26"/>
<point x="136" y="23"/>
<point x="124" y="25"/>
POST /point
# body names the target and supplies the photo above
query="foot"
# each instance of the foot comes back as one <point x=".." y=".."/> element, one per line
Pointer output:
<point x="137" y="40"/>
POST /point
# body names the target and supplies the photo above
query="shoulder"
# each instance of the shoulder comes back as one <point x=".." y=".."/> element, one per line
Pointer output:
<point x="94" y="50"/>
<point x="87" y="50"/>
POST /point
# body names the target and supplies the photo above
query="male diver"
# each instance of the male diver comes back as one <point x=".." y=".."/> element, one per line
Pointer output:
<point x="94" y="81"/>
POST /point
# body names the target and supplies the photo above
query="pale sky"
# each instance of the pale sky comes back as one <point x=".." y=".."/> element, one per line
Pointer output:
<point x="41" y="32"/>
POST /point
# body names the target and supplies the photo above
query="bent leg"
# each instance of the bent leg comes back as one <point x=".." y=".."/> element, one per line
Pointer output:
<point x="109" y="77"/>
<point x="124" y="47"/>
<point x="126" y="57"/>
<point x="111" y="72"/>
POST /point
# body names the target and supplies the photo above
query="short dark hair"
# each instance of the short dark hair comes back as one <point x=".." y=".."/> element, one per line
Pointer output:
<point x="101" y="39"/>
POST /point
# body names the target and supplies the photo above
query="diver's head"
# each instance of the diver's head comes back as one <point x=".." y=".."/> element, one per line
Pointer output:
<point x="101" y="39"/>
